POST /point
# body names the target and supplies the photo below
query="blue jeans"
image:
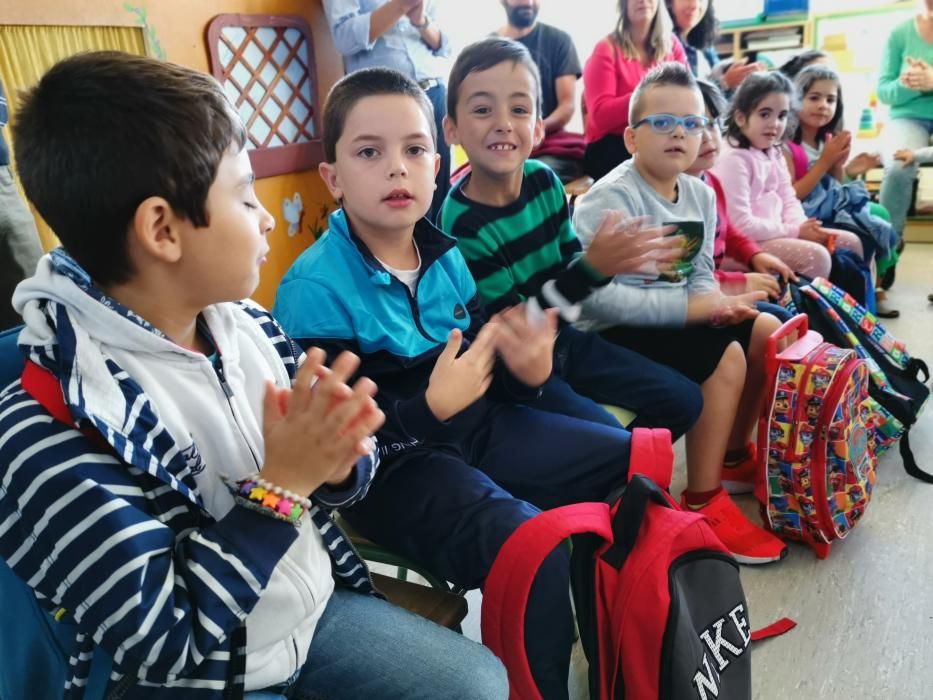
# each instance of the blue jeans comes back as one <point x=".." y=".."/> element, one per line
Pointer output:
<point x="897" y="188"/>
<point x="450" y="503"/>
<point x="367" y="648"/>
<point x="589" y="370"/>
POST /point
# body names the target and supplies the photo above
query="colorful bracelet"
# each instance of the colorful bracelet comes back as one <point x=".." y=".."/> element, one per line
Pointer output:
<point x="265" y="497"/>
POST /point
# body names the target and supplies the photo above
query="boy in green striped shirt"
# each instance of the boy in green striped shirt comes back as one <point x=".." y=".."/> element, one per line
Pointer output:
<point x="510" y="218"/>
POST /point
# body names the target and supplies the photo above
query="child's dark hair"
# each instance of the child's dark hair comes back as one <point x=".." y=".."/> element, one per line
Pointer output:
<point x="367" y="82"/>
<point x="704" y="34"/>
<point x="749" y="94"/>
<point x="103" y="131"/>
<point x="670" y="73"/>
<point x="804" y="82"/>
<point x="713" y="99"/>
<point x="792" y="67"/>
<point x="486" y="54"/>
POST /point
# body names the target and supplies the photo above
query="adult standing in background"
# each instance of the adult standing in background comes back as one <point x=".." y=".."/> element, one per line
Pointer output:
<point x="19" y="240"/>
<point x="642" y="39"/>
<point x="905" y="82"/>
<point x="697" y="28"/>
<point x="559" y="66"/>
<point x="398" y="34"/>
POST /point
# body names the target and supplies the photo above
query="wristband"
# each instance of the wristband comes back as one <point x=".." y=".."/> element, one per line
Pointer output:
<point x="265" y="497"/>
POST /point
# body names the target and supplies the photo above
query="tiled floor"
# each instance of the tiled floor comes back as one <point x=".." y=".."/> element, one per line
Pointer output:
<point x="865" y="615"/>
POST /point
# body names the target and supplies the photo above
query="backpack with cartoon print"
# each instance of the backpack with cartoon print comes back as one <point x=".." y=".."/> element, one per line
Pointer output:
<point x="817" y="438"/>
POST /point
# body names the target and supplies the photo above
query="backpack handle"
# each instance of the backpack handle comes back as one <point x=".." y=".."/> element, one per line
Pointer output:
<point x="505" y="594"/>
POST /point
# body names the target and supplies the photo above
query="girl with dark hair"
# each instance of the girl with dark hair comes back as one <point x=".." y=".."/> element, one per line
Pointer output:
<point x="762" y="202"/>
<point x="643" y="38"/>
<point x="816" y="157"/>
<point x="696" y="27"/>
<point x="748" y="267"/>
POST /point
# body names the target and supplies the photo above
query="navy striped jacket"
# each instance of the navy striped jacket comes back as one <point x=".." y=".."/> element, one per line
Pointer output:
<point x="119" y="540"/>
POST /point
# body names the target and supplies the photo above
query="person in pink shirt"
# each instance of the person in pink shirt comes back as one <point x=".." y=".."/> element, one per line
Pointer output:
<point x="643" y="38"/>
<point x="762" y="202"/>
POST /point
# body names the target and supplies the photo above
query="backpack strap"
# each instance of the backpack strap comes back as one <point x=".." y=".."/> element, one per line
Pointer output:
<point x="775" y="629"/>
<point x="505" y="594"/>
<point x="43" y="386"/>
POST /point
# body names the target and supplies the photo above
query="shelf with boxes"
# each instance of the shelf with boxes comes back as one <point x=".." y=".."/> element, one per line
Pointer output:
<point x="773" y="41"/>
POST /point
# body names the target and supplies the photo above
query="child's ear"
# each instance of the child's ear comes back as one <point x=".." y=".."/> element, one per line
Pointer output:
<point x="328" y="173"/>
<point x="156" y="230"/>
<point x="450" y="131"/>
<point x="739" y="119"/>
<point x="437" y="167"/>
<point x="539" y="131"/>
<point x="629" y="137"/>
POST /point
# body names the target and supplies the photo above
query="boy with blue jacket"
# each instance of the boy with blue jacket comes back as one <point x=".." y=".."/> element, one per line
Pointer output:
<point x="464" y="462"/>
<point x="176" y="505"/>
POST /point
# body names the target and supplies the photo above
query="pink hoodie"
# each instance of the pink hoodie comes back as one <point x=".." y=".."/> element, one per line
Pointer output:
<point x="762" y="203"/>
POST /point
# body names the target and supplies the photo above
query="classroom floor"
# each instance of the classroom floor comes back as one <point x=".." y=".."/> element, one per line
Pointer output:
<point x="865" y="614"/>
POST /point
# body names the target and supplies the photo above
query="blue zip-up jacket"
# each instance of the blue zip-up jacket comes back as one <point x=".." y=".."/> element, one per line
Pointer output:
<point x="118" y="536"/>
<point x="338" y="296"/>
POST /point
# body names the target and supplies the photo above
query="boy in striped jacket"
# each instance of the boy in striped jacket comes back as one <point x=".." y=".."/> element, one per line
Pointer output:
<point x="177" y="510"/>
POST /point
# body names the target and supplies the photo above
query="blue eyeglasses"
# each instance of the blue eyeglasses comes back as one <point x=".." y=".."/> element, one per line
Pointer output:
<point x="693" y="124"/>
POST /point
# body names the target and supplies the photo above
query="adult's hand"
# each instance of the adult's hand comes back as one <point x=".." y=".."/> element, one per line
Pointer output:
<point x="918" y="76"/>
<point x="739" y="71"/>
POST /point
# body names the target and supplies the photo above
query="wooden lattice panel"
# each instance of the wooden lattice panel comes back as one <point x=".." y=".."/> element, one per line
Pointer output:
<point x="266" y="66"/>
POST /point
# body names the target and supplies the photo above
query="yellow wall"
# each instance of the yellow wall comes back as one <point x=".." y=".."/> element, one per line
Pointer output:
<point x="180" y="27"/>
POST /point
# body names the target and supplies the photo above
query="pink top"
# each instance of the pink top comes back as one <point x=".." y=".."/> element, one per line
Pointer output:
<point x="610" y="79"/>
<point x="762" y="203"/>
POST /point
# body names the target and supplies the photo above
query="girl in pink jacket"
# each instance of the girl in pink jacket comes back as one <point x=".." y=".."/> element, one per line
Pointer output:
<point x="762" y="203"/>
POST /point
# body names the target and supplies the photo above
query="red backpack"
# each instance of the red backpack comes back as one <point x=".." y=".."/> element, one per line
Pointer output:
<point x="658" y="599"/>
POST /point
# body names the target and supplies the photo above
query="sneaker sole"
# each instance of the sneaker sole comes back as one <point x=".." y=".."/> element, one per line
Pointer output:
<point x="753" y="561"/>
<point x="736" y="488"/>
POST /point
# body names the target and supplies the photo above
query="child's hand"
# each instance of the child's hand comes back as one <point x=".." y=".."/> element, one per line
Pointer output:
<point x="836" y="148"/>
<point x="771" y="265"/>
<point x="862" y="163"/>
<point x="457" y="382"/>
<point x="314" y="434"/>
<point x="732" y="310"/>
<point x="526" y="346"/>
<point x="760" y="282"/>
<point x="904" y="154"/>
<point x="812" y="230"/>
<point x="624" y="245"/>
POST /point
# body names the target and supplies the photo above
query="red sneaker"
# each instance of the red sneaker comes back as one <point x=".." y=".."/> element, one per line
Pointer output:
<point x="748" y="543"/>
<point x="744" y="476"/>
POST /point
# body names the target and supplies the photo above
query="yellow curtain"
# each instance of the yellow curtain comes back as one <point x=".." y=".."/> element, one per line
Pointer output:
<point x="27" y="52"/>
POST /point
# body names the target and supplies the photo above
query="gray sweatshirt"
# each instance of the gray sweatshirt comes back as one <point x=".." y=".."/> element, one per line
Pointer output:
<point x="645" y="300"/>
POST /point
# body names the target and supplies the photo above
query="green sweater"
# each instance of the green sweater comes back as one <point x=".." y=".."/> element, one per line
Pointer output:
<point x="524" y="249"/>
<point x="905" y="103"/>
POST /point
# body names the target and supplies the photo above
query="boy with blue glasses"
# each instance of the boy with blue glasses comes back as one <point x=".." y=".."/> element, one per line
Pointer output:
<point x="683" y="320"/>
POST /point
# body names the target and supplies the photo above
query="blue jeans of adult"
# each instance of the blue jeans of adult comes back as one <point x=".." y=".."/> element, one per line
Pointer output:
<point x="589" y="371"/>
<point x="438" y="97"/>
<point x="897" y="187"/>
<point x="450" y="503"/>
<point x="367" y="648"/>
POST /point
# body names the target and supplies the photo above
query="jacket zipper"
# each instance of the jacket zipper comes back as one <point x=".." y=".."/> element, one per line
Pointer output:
<point x="818" y="464"/>
<point x="228" y="393"/>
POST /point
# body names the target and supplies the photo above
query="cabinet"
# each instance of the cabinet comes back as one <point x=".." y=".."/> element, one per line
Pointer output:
<point x="774" y="40"/>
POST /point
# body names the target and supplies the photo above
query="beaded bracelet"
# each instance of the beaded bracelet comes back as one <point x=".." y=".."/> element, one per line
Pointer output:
<point x="267" y="498"/>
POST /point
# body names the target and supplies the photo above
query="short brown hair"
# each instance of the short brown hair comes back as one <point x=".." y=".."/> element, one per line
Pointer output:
<point x="486" y="54"/>
<point x="367" y="82"/>
<point x="670" y="73"/>
<point x="102" y="131"/>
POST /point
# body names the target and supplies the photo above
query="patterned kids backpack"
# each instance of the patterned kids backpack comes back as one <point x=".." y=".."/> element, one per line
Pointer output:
<point x="898" y="382"/>
<point x="817" y="438"/>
